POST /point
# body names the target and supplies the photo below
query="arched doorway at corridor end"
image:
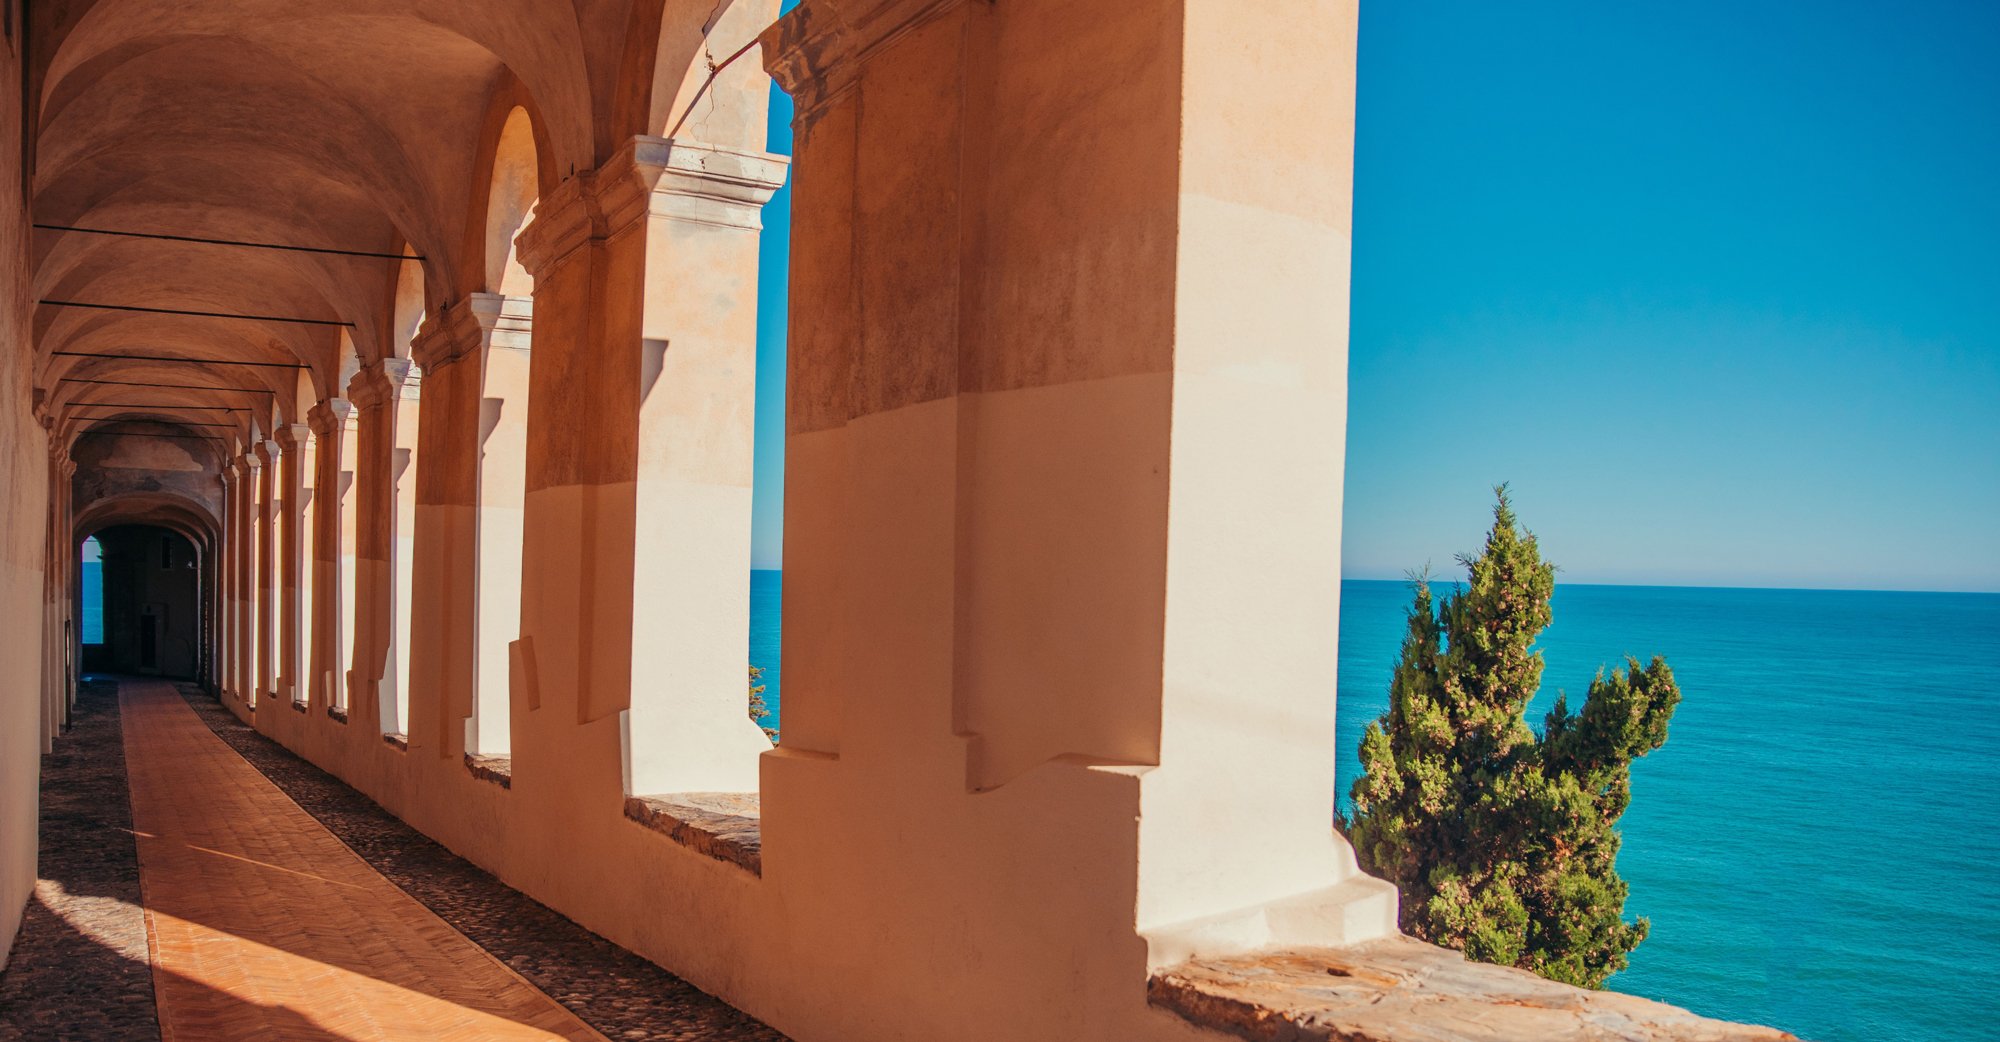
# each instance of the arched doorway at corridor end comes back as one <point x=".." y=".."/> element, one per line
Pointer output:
<point x="150" y="582"/>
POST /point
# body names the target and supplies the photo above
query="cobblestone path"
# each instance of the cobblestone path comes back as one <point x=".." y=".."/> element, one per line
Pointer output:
<point x="78" y="972"/>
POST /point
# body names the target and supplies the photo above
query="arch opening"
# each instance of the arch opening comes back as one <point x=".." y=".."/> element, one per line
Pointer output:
<point x="150" y="590"/>
<point x="510" y="206"/>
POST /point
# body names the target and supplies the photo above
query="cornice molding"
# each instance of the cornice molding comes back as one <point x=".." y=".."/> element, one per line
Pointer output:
<point x="710" y="184"/>
<point x="503" y="321"/>
<point x="818" y="51"/>
<point x="651" y="176"/>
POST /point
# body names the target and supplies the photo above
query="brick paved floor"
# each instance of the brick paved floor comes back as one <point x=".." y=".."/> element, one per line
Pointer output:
<point x="262" y="925"/>
<point x="612" y="989"/>
<point x="257" y="939"/>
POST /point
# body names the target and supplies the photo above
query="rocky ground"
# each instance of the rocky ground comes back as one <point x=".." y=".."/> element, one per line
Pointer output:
<point x="1398" y="989"/>
<point x="613" y="990"/>
<point x="79" y="971"/>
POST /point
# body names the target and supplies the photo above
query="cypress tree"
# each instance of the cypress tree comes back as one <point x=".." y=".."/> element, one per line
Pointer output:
<point x="1500" y="840"/>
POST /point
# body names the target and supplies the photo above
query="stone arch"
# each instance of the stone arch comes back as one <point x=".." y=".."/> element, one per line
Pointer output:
<point x="693" y="39"/>
<point x="407" y="307"/>
<point x="187" y="518"/>
<point x="510" y="205"/>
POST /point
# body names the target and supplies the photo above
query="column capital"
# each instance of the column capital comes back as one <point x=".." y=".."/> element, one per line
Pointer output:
<point x="503" y="321"/>
<point x="817" y="51"/>
<point x="707" y="184"/>
<point x="479" y="323"/>
<point x="330" y="416"/>
<point x="385" y="381"/>
<point x="565" y="219"/>
<point x="265" y="451"/>
<point x="651" y="176"/>
<point x="290" y="436"/>
<point x="67" y="466"/>
<point x="246" y="462"/>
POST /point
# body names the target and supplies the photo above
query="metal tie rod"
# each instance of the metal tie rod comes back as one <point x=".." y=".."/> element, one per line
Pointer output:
<point x="182" y="387"/>
<point x="181" y="423"/>
<point x="168" y="358"/>
<point x="181" y="408"/>
<point x="229" y="242"/>
<point x="202" y="314"/>
<point x="148" y="434"/>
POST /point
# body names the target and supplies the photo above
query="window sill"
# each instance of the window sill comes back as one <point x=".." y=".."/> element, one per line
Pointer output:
<point x="298" y="707"/>
<point x="726" y="826"/>
<point x="496" y="769"/>
<point x="400" y="741"/>
<point x="336" y="714"/>
<point x="1399" y="989"/>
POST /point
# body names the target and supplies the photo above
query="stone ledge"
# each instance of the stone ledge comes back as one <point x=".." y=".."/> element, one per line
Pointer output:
<point x="400" y="741"/>
<point x="1402" y="990"/>
<point x="298" y="707"/>
<point x="497" y="769"/>
<point x="336" y="714"/>
<point x="727" y="826"/>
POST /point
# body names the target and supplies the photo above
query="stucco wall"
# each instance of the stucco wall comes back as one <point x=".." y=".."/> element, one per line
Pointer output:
<point x="23" y="506"/>
<point x="111" y="465"/>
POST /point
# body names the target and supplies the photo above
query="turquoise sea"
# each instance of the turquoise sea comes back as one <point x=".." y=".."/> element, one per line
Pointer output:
<point x="1818" y="843"/>
<point x="766" y="605"/>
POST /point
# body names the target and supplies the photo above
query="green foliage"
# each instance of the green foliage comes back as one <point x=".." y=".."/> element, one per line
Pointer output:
<point x="758" y="709"/>
<point x="1501" y="841"/>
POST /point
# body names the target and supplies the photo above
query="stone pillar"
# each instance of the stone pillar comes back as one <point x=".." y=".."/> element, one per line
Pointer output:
<point x="248" y="509"/>
<point x="295" y="442"/>
<point x="651" y="496"/>
<point x="59" y="591"/>
<point x="225" y="589"/>
<point x="505" y="331"/>
<point x="265" y="589"/>
<point x="332" y="552"/>
<point x="242" y="545"/>
<point x="385" y="396"/>
<point x="443" y="621"/>
<point x="1063" y="475"/>
<point x="475" y="362"/>
<point x="67" y="624"/>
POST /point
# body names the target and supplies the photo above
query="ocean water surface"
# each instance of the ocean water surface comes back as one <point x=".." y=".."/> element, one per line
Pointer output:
<point x="1817" y="844"/>
<point x="766" y="606"/>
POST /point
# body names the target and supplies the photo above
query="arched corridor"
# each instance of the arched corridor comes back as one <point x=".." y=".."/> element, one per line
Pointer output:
<point x="427" y="334"/>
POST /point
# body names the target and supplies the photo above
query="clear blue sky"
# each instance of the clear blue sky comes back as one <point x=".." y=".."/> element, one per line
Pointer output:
<point x="1716" y="286"/>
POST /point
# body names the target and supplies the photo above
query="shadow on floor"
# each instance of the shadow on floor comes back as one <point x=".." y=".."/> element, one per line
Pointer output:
<point x="613" y="990"/>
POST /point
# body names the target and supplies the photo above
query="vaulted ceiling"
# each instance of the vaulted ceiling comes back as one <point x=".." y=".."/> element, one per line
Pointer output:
<point x="351" y="125"/>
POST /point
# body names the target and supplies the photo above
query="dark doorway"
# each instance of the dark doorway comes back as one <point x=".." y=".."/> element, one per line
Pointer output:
<point x="151" y="589"/>
<point x="149" y="640"/>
